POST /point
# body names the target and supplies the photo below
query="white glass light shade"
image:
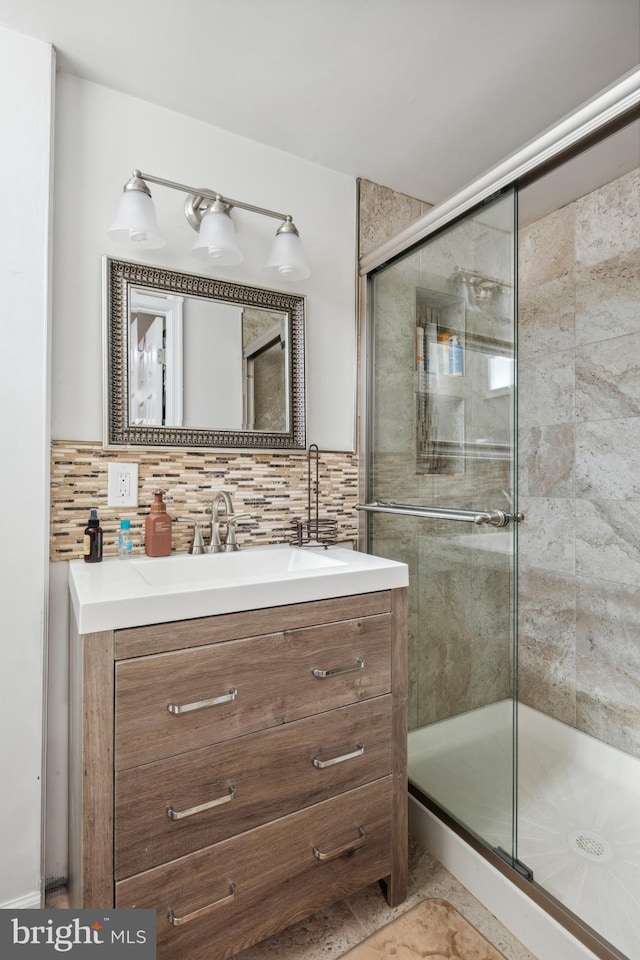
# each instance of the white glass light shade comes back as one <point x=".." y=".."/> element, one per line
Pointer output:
<point x="286" y="259"/>
<point x="136" y="222"/>
<point x="216" y="240"/>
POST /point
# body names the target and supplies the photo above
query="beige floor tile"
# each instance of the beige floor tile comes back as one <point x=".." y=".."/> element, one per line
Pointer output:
<point x="330" y="933"/>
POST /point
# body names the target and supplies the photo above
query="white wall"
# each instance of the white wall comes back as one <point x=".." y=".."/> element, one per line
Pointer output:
<point x="26" y="79"/>
<point x="101" y="136"/>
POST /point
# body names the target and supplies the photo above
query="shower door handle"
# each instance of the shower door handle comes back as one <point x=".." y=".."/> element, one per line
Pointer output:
<point x="494" y="518"/>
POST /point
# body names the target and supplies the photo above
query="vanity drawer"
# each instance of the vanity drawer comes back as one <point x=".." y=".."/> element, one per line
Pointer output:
<point x="172" y="807"/>
<point x="172" y="702"/>
<point x="237" y="892"/>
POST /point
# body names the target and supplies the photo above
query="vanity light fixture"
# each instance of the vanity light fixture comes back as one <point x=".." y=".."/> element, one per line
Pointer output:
<point x="208" y="213"/>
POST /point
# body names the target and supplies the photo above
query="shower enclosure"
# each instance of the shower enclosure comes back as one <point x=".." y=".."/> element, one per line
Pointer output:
<point x="500" y="360"/>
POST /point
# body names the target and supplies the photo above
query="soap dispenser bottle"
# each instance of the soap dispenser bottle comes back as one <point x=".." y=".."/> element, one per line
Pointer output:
<point x="157" y="528"/>
<point x="92" y="540"/>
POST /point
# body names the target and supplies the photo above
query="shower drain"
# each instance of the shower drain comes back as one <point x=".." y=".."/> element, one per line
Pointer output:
<point x="591" y="846"/>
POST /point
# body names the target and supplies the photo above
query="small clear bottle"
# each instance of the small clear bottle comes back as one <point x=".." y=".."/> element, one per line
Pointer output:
<point x="125" y="544"/>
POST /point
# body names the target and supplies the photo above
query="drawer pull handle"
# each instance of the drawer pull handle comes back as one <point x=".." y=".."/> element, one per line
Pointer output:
<point x="178" y="708"/>
<point x="341" y="851"/>
<point x="321" y="764"/>
<point x="181" y="814"/>
<point x="188" y="917"/>
<point x="358" y="665"/>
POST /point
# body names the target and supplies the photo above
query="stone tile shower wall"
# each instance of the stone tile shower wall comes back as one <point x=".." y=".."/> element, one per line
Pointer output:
<point x="579" y="435"/>
<point x="458" y="620"/>
<point x="271" y="488"/>
<point x="383" y="213"/>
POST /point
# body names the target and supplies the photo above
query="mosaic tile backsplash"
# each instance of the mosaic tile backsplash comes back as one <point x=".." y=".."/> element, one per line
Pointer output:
<point x="271" y="488"/>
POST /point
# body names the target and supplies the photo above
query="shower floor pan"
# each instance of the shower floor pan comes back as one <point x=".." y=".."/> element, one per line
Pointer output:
<point x="578" y="809"/>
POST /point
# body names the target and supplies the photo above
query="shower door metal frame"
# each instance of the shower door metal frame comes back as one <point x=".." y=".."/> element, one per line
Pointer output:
<point x="600" y="116"/>
<point x="490" y="517"/>
<point x="611" y="110"/>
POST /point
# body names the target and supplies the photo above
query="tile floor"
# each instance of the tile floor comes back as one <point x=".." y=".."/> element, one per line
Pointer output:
<point x="329" y="933"/>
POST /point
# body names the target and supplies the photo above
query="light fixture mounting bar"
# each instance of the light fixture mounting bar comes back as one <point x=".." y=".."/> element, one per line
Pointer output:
<point x="211" y="195"/>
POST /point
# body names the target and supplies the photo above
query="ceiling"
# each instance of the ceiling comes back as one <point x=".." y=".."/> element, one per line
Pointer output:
<point x="420" y="95"/>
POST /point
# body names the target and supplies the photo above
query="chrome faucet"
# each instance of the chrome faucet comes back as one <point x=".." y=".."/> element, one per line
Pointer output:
<point x="213" y="541"/>
<point x="229" y="543"/>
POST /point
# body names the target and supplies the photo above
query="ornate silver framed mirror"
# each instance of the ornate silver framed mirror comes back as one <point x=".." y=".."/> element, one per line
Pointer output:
<point x="193" y="361"/>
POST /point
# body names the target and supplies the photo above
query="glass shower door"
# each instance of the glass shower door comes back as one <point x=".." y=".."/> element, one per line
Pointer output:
<point x="441" y="495"/>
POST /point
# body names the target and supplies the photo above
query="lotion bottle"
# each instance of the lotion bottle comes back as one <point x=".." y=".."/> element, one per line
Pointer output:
<point x="157" y="528"/>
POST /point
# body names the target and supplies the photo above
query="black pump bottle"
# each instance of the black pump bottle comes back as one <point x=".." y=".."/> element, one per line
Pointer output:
<point x="92" y="544"/>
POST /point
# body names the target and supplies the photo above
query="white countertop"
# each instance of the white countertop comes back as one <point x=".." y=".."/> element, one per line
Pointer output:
<point x="116" y="594"/>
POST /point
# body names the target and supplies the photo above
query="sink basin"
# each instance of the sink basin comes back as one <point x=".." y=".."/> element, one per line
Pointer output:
<point x="117" y="594"/>
<point x="259" y="564"/>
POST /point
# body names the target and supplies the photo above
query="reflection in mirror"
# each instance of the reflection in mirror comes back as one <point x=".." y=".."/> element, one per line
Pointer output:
<point x="195" y="361"/>
<point x="264" y="348"/>
<point x="244" y="347"/>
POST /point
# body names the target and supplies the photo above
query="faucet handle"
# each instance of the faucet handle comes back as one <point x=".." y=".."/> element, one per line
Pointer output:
<point x="197" y="546"/>
<point x="231" y="544"/>
<point x="197" y="541"/>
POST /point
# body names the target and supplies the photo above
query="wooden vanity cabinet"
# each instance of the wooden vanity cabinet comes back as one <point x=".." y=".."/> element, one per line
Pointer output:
<point x="241" y="771"/>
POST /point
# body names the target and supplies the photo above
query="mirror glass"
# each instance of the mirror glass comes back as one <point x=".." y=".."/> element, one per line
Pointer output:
<point x="194" y="361"/>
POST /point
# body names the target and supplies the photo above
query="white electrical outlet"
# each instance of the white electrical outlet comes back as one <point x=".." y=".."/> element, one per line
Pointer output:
<point x="122" y="490"/>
